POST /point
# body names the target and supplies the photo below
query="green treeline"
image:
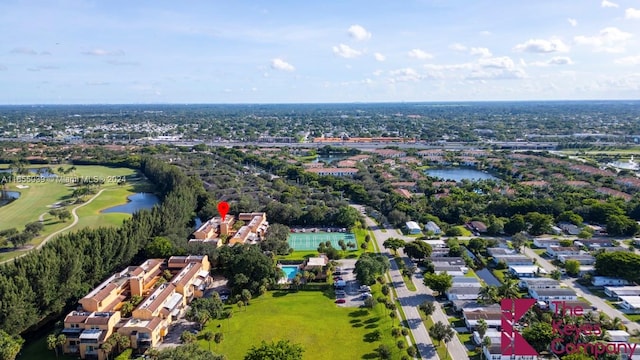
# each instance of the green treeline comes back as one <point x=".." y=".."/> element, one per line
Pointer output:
<point x="43" y="284"/>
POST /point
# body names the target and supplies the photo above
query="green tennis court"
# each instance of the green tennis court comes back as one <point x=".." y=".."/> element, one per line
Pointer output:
<point x="310" y="241"/>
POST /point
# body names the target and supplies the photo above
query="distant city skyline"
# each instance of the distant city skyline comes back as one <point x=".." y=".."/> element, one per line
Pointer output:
<point x="119" y="52"/>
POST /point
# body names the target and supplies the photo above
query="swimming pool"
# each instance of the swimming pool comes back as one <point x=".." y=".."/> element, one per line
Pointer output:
<point x="290" y="270"/>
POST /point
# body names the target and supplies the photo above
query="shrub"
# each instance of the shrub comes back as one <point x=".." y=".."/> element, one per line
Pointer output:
<point x="401" y="344"/>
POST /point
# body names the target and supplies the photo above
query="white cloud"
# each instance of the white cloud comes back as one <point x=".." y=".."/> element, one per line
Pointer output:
<point x="503" y="62"/>
<point x="573" y="22"/>
<point x="402" y="75"/>
<point x="419" y="54"/>
<point x="632" y="13"/>
<point x="608" y="4"/>
<point x="24" y="51"/>
<point x="3" y="68"/>
<point x="628" y="60"/>
<point x="359" y="33"/>
<point x="379" y="57"/>
<point x="556" y="60"/>
<point x="102" y="52"/>
<point x="279" y="64"/>
<point x="542" y="46"/>
<point x="457" y="47"/>
<point x="609" y="39"/>
<point x="480" y="51"/>
<point x="346" y="51"/>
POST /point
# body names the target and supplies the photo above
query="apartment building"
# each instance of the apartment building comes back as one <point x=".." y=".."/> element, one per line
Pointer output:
<point x="99" y="315"/>
<point x="212" y="231"/>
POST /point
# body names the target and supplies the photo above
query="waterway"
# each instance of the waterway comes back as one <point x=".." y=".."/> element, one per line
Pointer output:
<point x="459" y="174"/>
<point x="136" y="202"/>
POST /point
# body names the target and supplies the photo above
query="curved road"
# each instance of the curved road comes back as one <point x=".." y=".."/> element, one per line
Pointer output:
<point x="52" y="235"/>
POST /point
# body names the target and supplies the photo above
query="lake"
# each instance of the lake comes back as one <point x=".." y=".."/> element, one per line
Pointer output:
<point x="459" y="174"/>
<point x="136" y="202"/>
<point x="41" y="172"/>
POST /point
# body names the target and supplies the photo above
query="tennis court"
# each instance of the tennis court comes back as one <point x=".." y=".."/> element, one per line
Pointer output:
<point x="310" y="241"/>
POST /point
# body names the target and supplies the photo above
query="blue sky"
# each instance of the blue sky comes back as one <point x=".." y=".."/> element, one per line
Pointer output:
<point x="112" y="51"/>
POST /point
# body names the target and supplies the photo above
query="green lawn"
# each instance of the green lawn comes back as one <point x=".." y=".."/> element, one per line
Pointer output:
<point x="309" y="318"/>
<point x="35" y="199"/>
<point x="38" y="350"/>
<point x="464" y="230"/>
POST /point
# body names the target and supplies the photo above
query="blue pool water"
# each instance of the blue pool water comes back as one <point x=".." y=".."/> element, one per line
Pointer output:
<point x="290" y="271"/>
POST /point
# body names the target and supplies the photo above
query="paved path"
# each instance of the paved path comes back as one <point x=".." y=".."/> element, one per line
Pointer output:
<point x="584" y="292"/>
<point x="52" y="235"/>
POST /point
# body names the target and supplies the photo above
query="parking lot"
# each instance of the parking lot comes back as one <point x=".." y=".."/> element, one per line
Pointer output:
<point x="352" y="296"/>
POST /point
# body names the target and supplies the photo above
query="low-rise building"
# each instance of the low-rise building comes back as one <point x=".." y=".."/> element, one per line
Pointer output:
<point x="491" y="315"/>
<point x="555" y="251"/>
<point x="539" y="283"/>
<point x="413" y="227"/>
<point x="608" y="281"/>
<point x="564" y="305"/>
<point x="630" y="303"/>
<point x="340" y="172"/>
<point x="549" y="295"/>
<point x="583" y="259"/>
<point x="453" y="270"/>
<point x="432" y="227"/>
<point x="543" y="243"/>
<point x="215" y="230"/>
<point x="618" y="291"/>
<point x="526" y="271"/>
<point x="462" y="293"/>
<point x="513" y="259"/>
<point x="86" y="331"/>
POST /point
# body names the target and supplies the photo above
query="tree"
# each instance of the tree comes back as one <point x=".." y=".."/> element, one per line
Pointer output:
<point x="275" y="239"/>
<point x="509" y="289"/>
<point x="393" y="244"/>
<point x="34" y="228"/>
<point x="218" y="337"/>
<point x="369" y="302"/>
<point x="427" y="307"/>
<point x="187" y="337"/>
<point x="556" y="274"/>
<point x="538" y="223"/>
<point x="486" y="343"/>
<point x="482" y="328"/>
<point x="10" y="345"/>
<point x="126" y="309"/>
<point x="369" y="267"/>
<point x="246" y="296"/>
<point x="572" y="267"/>
<point x="52" y="343"/>
<point x="107" y="347"/>
<point x="518" y="240"/>
<point x="515" y="225"/>
<point x="208" y="336"/>
<point x="438" y="282"/>
<point x="539" y="335"/>
<point x="383" y="352"/>
<point x="418" y="249"/>
<point x="281" y="350"/>
<point x="488" y="295"/>
<point x="441" y="332"/>
<point x="159" y="247"/>
<point x="622" y="264"/>
<point x="188" y="352"/>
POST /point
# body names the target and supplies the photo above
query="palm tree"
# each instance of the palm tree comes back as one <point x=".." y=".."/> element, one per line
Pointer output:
<point x="488" y="294"/>
<point x="448" y="335"/>
<point x="482" y="328"/>
<point x="107" y="347"/>
<point x="208" y="336"/>
<point x="218" y="337"/>
<point x="52" y="343"/>
<point x="509" y="289"/>
<point x="486" y="343"/>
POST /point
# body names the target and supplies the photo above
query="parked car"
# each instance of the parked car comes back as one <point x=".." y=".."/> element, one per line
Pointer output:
<point x="341" y="301"/>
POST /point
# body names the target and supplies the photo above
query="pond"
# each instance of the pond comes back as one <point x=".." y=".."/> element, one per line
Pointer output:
<point x="330" y="158"/>
<point x="136" y="202"/>
<point x="459" y="174"/>
<point x="41" y="172"/>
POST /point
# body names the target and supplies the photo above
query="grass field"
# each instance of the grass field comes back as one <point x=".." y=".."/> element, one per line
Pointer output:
<point x="38" y="350"/>
<point x="309" y="318"/>
<point x="35" y="200"/>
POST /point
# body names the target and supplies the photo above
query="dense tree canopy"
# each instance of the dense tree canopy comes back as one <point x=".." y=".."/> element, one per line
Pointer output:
<point x="369" y="267"/>
<point x="621" y="264"/>
<point x="281" y="350"/>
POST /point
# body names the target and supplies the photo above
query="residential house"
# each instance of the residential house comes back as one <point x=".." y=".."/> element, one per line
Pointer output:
<point x="569" y="229"/>
<point x="608" y="281"/>
<point x="334" y="171"/>
<point x="611" y="248"/>
<point x="453" y="270"/>
<point x="465" y="281"/>
<point x="513" y="259"/>
<point x="145" y="334"/>
<point x="462" y="293"/>
<point x="543" y="243"/>
<point x="526" y="271"/>
<point x="432" y="227"/>
<point x="618" y="291"/>
<point x="413" y="227"/>
<point x="492" y="315"/>
<point x="477" y="226"/>
<point x="495" y="251"/>
<point x="583" y="259"/>
<point x="549" y="295"/>
<point x="631" y="304"/>
<point x="592" y="244"/>
<point x="618" y="336"/>
<point x="447" y="260"/>
<point x="494" y="352"/>
<point x="492" y="333"/>
<point x="555" y="251"/>
<point x="539" y="283"/>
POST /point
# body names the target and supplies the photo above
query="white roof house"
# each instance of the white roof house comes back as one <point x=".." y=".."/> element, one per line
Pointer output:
<point x="630" y="303"/>
<point x="608" y="281"/>
<point x="413" y="227"/>
<point x="433" y="227"/>
<point x="522" y="271"/>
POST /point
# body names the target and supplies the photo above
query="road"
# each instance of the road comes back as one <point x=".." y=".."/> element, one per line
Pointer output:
<point x="52" y="235"/>
<point x="411" y="299"/>
<point x="584" y="292"/>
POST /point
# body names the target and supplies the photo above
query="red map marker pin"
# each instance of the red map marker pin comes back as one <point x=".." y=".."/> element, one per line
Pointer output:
<point x="223" y="209"/>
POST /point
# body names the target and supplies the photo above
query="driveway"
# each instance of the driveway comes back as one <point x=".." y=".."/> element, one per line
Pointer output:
<point x="175" y="330"/>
